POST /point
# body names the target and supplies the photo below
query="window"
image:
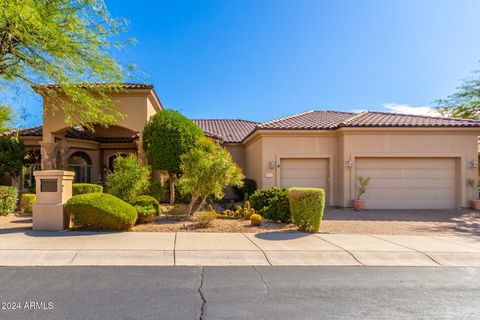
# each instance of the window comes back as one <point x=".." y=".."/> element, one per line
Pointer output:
<point x="81" y="164"/>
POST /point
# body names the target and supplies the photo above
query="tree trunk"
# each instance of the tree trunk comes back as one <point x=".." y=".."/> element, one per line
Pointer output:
<point x="191" y="204"/>
<point x="172" y="188"/>
<point x="202" y="203"/>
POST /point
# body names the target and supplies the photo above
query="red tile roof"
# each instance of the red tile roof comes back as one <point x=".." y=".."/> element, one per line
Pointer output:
<point x="308" y="120"/>
<point x="235" y="131"/>
<point x="228" y="130"/>
<point x="125" y="85"/>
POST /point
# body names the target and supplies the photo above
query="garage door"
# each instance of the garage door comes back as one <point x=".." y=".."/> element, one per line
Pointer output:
<point x="308" y="173"/>
<point x="408" y="183"/>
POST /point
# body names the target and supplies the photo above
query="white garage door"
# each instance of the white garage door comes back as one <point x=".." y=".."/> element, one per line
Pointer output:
<point x="308" y="173"/>
<point x="408" y="183"/>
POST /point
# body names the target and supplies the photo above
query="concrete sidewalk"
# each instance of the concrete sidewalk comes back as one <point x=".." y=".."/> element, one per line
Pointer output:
<point x="234" y="249"/>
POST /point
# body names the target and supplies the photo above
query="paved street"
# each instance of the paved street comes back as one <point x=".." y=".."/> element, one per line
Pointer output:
<point x="32" y="248"/>
<point x="241" y="292"/>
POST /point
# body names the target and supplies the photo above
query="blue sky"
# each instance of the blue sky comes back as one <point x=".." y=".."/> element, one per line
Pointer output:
<point x="259" y="59"/>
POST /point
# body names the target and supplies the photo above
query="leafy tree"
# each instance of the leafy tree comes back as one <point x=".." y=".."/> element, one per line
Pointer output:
<point x="129" y="178"/>
<point x="12" y="153"/>
<point x="206" y="170"/>
<point x="166" y="137"/>
<point x="465" y="103"/>
<point x="65" y="42"/>
<point x="6" y="117"/>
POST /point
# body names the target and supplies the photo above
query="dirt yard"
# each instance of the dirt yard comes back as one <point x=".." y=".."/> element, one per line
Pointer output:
<point x="399" y="222"/>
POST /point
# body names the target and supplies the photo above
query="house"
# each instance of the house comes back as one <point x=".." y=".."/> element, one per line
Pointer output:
<point x="414" y="162"/>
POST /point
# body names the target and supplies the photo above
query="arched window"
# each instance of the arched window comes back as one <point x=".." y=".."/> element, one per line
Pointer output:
<point x="81" y="163"/>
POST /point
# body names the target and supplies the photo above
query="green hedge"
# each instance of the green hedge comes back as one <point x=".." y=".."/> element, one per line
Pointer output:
<point x="83" y="188"/>
<point x="307" y="205"/>
<point x="8" y="200"/>
<point x="101" y="211"/>
<point x="272" y="203"/>
<point x="27" y="201"/>
<point x="147" y="208"/>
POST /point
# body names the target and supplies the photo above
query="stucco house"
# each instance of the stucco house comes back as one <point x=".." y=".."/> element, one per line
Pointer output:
<point x="414" y="162"/>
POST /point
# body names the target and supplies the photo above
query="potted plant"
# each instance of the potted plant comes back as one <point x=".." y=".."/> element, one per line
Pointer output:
<point x="359" y="204"/>
<point x="475" y="203"/>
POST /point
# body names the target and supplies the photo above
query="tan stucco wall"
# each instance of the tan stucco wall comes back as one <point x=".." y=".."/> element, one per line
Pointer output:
<point x="347" y="144"/>
<point x="238" y="153"/>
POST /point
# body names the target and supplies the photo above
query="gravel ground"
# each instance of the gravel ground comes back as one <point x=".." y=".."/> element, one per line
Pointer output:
<point x="399" y="222"/>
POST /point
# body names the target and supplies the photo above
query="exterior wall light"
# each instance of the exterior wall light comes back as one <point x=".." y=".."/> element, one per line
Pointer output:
<point x="349" y="163"/>
<point x="473" y="164"/>
<point x="271" y="164"/>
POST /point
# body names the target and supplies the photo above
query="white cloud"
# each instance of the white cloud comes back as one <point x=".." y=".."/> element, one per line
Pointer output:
<point x="406" y="109"/>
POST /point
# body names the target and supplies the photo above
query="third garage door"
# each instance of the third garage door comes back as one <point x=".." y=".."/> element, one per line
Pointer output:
<point x="408" y="183"/>
<point x="304" y="172"/>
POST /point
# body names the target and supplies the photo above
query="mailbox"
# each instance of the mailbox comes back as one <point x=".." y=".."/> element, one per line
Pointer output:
<point x="53" y="188"/>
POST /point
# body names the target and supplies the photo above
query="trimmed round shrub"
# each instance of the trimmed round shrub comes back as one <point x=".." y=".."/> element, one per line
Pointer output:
<point x="307" y="205"/>
<point x="83" y="188"/>
<point x="8" y="200"/>
<point x="249" y="187"/>
<point x="101" y="211"/>
<point x="272" y="203"/>
<point x="256" y="219"/>
<point x="147" y="208"/>
<point x="27" y="201"/>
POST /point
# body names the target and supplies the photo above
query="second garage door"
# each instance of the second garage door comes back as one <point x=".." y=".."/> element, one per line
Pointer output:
<point x="408" y="183"/>
<point x="304" y="172"/>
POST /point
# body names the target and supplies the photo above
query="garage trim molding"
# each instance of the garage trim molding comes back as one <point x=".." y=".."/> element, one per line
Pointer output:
<point x="461" y="198"/>
<point x="330" y="158"/>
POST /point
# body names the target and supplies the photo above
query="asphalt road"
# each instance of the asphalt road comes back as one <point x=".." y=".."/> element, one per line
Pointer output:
<point x="239" y="293"/>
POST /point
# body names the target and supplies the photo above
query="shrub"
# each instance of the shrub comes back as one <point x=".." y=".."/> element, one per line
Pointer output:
<point x="8" y="200"/>
<point x="129" y="179"/>
<point x="83" y="188"/>
<point x="207" y="218"/>
<point x="256" y="219"/>
<point x="27" y="201"/>
<point x="249" y="187"/>
<point x="147" y="208"/>
<point x="272" y="203"/>
<point x="306" y="205"/>
<point x="156" y="190"/>
<point x="101" y="211"/>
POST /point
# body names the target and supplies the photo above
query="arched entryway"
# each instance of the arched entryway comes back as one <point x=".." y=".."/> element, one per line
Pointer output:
<point x="81" y="163"/>
<point x="112" y="159"/>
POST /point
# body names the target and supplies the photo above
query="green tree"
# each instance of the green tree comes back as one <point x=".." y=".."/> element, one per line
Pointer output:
<point x="129" y="178"/>
<point x="206" y="170"/>
<point x="67" y="42"/>
<point x="6" y="118"/>
<point x="465" y="103"/>
<point x="12" y="152"/>
<point x="166" y="137"/>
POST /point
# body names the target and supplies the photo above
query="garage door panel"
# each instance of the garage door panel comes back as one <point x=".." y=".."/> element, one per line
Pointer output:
<point x="408" y="183"/>
<point x="304" y="172"/>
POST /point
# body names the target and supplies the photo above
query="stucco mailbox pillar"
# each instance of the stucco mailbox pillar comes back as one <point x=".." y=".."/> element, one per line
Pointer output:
<point x="53" y="188"/>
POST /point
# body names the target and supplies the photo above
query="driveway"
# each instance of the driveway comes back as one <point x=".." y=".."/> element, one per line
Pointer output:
<point x="402" y="222"/>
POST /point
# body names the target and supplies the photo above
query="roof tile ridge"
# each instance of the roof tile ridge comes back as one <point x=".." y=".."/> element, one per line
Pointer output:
<point x="284" y="118"/>
<point x="423" y="116"/>
<point x="346" y="122"/>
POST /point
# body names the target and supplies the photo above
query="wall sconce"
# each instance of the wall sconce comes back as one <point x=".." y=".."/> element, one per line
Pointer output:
<point x="473" y="164"/>
<point x="349" y="163"/>
<point x="271" y="164"/>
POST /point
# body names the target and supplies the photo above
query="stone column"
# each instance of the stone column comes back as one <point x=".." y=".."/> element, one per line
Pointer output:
<point x="49" y="155"/>
<point x="63" y="151"/>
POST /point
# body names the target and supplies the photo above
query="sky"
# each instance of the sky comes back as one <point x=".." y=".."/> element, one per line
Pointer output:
<point x="264" y="59"/>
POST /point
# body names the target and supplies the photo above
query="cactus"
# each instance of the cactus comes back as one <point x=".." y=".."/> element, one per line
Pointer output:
<point x="256" y="219"/>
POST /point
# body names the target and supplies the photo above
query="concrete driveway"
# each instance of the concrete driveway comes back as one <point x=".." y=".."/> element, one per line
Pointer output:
<point x="402" y="222"/>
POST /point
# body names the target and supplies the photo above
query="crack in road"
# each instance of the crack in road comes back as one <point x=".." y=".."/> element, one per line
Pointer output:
<point x="268" y="288"/>
<point x="200" y="292"/>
